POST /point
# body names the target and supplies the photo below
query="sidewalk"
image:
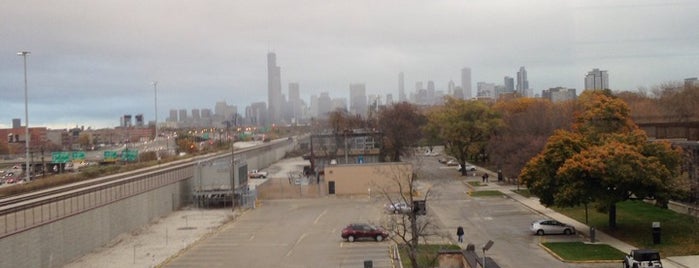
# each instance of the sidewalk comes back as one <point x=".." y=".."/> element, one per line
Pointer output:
<point x="600" y="237"/>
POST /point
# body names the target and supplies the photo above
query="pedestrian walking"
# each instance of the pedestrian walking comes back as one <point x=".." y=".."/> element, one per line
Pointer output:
<point x="460" y="234"/>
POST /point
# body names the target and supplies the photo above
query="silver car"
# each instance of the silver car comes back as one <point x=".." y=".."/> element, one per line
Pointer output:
<point x="542" y="227"/>
<point x="398" y="207"/>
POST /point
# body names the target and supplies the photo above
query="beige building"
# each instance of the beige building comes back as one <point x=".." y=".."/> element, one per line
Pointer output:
<point x="371" y="178"/>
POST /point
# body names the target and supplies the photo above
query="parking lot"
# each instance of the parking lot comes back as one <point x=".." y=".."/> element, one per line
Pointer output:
<point x="292" y="233"/>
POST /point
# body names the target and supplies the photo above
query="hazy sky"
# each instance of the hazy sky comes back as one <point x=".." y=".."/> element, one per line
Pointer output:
<point x="93" y="61"/>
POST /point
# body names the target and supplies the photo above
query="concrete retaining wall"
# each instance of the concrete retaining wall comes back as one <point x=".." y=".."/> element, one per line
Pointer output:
<point x="58" y="243"/>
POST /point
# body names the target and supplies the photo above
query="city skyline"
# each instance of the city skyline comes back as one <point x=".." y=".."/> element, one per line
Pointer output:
<point x="89" y="66"/>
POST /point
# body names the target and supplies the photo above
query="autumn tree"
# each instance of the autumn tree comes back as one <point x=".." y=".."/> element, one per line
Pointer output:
<point x="605" y="158"/>
<point x="464" y="126"/>
<point x="528" y="122"/>
<point x="401" y="125"/>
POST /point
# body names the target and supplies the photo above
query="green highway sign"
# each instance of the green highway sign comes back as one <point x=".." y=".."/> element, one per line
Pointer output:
<point x="110" y="155"/>
<point x="129" y="155"/>
<point x="79" y="155"/>
<point x="60" y="157"/>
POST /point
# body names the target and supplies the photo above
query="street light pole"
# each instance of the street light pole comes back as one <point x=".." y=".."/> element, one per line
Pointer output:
<point x="26" y="114"/>
<point x="155" y="138"/>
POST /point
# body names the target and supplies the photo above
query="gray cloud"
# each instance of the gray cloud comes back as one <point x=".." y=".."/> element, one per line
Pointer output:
<point x="93" y="61"/>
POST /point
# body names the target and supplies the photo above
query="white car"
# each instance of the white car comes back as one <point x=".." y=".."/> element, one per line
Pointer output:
<point x="468" y="167"/>
<point x="398" y="208"/>
<point x="542" y="227"/>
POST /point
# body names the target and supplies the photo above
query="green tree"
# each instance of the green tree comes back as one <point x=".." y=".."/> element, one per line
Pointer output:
<point x="401" y="125"/>
<point x="606" y="159"/>
<point x="464" y="126"/>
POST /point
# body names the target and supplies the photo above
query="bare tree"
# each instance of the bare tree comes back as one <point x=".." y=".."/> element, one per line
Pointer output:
<point x="408" y="227"/>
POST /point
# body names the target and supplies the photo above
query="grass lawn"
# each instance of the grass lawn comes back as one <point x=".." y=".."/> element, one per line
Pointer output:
<point x="679" y="232"/>
<point x="579" y="251"/>
<point x="426" y="254"/>
<point x="476" y="183"/>
<point x="486" y="193"/>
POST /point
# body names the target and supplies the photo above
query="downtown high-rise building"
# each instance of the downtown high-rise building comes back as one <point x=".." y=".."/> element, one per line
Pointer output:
<point x="294" y="102"/>
<point x="274" y="89"/>
<point x="522" y="82"/>
<point x="465" y="84"/>
<point x="596" y="79"/>
<point x="509" y="84"/>
<point x="358" y="100"/>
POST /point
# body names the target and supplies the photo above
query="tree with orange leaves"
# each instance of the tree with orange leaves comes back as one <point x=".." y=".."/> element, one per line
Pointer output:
<point x="604" y="159"/>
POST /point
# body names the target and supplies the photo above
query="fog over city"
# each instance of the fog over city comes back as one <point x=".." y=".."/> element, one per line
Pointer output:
<point x="94" y="61"/>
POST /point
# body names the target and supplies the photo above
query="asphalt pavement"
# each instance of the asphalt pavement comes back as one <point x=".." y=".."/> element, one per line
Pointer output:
<point x="176" y="233"/>
<point x="600" y="237"/>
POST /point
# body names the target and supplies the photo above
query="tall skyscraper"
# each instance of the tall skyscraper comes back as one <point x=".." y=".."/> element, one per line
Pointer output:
<point x="509" y="84"/>
<point x="358" y="100"/>
<point x="294" y="102"/>
<point x="466" y="83"/>
<point x="596" y="79"/>
<point x="324" y="105"/>
<point x="401" y="88"/>
<point x="274" y="88"/>
<point x="522" y="82"/>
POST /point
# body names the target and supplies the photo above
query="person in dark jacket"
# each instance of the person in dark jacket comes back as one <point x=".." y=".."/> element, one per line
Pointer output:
<point x="460" y="234"/>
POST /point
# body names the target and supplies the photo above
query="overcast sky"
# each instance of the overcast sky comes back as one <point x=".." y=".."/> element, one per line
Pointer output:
<point x="94" y="61"/>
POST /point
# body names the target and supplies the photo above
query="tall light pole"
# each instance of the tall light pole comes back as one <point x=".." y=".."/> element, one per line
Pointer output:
<point x="26" y="114"/>
<point x="155" y="91"/>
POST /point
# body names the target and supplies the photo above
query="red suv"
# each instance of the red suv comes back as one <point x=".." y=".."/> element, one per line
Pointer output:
<point x="362" y="230"/>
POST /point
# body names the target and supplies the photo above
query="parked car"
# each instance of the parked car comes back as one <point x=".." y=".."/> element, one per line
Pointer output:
<point x="642" y="258"/>
<point x="452" y="163"/>
<point x="468" y="168"/>
<point x="542" y="227"/>
<point x="398" y="207"/>
<point x="442" y="160"/>
<point x="356" y="231"/>
<point x="256" y="174"/>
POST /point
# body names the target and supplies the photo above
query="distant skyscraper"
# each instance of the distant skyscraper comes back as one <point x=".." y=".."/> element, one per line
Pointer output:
<point x="522" y="82"/>
<point x="485" y="90"/>
<point x="358" y="100"/>
<point x="173" y="115"/>
<point x="401" y="88"/>
<point x="255" y="114"/>
<point x="389" y="99"/>
<point x="183" y="115"/>
<point x="596" y="79"/>
<point x="294" y="101"/>
<point x="16" y="123"/>
<point x="324" y="104"/>
<point x="274" y="88"/>
<point x="509" y="84"/>
<point x="450" y="88"/>
<point x="466" y="83"/>
<point x="692" y="81"/>
<point x="558" y="94"/>
<point x="430" y="92"/>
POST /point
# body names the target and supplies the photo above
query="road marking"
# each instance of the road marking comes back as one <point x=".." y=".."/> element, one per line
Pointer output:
<point x="295" y="244"/>
<point x="319" y="216"/>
